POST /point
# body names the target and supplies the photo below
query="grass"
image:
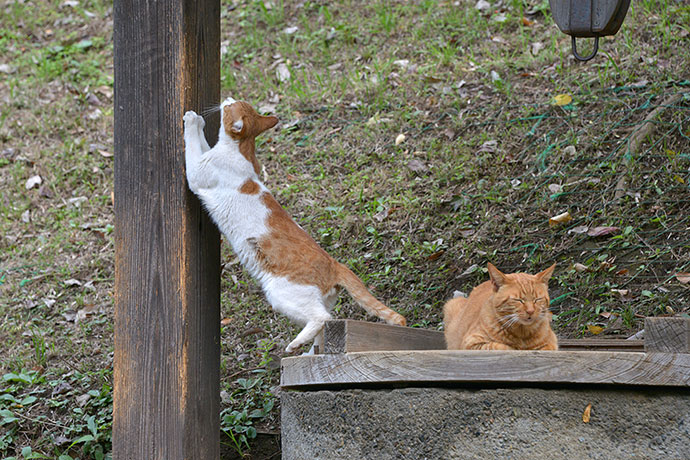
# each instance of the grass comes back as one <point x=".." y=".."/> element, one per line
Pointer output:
<point x="487" y="159"/>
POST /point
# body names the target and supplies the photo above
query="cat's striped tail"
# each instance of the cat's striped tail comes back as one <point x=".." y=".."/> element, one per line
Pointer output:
<point x="363" y="297"/>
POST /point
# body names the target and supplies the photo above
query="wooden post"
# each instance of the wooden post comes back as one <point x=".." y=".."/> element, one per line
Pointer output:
<point x="167" y="251"/>
<point x="667" y="335"/>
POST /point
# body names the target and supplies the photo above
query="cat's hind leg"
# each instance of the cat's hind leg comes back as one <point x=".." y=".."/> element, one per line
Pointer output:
<point x="308" y="333"/>
<point x="303" y="304"/>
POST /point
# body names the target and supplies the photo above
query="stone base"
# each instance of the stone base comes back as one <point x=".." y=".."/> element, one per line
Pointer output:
<point x="513" y="423"/>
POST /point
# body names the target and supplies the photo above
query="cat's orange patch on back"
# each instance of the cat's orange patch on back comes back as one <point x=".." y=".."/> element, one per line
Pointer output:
<point x="249" y="187"/>
<point x="290" y="252"/>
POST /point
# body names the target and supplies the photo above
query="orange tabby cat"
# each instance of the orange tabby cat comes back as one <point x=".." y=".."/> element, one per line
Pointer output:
<point x="510" y="312"/>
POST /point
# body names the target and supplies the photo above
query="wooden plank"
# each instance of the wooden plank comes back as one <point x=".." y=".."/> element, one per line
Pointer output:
<point x="668" y="335"/>
<point x="443" y="367"/>
<point x="349" y="336"/>
<point x="601" y="345"/>
<point x="167" y="274"/>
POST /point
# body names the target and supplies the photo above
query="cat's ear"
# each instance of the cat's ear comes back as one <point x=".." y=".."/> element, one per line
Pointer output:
<point x="265" y="123"/>
<point x="237" y="126"/>
<point x="497" y="278"/>
<point x="546" y="274"/>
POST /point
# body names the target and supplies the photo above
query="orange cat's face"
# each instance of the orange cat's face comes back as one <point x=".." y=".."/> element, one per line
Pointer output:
<point x="241" y="121"/>
<point x="521" y="298"/>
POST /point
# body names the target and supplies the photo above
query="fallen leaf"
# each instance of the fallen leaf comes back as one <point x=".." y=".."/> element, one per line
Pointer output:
<point x="603" y="231"/>
<point x="580" y="267"/>
<point x="596" y="330"/>
<point x="61" y="388"/>
<point x="92" y="99"/>
<point x="560" y="219"/>
<point x="555" y="188"/>
<point x="95" y="114"/>
<point x="81" y="400"/>
<point x="381" y="215"/>
<point x="471" y="269"/>
<point x="623" y="294"/>
<point x="33" y="181"/>
<point x="400" y="139"/>
<point x="26" y="216"/>
<point x="483" y="6"/>
<point x="536" y="47"/>
<point x="106" y="91"/>
<point x="267" y="108"/>
<point x="290" y="30"/>
<point x="87" y="312"/>
<point x="466" y="232"/>
<point x="488" y="146"/>
<point x="683" y="277"/>
<point x="72" y="282"/>
<point x="225" y="321"/>
<point x="45" y="191"/>
<point x="105" y="154"/>
<point x="587" y="413"/>
<point x="436" y="254"/>
<point x="579" y="229"/>
<point x="69" y="316"/>
<point x="283" y="72"/>
<point x="499" y="18"/>
<point x="402" y="63"/>
<point x="622" y="272"/>
<point x="562" y="99"/>
<point x="417" y="166"/>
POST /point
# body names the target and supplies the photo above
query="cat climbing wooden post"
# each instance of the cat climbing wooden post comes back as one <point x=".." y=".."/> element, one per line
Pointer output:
<point x="167" y="251"/>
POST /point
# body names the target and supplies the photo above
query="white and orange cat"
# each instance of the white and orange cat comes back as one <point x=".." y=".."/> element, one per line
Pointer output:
<point x="299" y="279"/>
<point x="509" y="312"/>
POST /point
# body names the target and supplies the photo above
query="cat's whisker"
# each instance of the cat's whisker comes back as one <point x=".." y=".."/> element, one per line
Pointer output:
<point x="210" y="110"/>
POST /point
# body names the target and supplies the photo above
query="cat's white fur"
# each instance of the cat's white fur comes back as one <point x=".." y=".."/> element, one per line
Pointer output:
<point x="215" y="176"/>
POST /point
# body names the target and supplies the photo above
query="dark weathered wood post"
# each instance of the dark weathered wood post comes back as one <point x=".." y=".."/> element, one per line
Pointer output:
<point x="167" y="280"/>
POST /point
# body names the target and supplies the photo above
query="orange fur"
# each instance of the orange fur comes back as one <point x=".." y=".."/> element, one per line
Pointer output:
<point x="509" y="312"/>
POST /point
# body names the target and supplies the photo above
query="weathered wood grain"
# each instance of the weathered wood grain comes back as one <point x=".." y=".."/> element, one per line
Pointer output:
<point x="445" y="367"/>
<point x="167" y="274"/>
<point x="669" y="335"/>
<point x="348" y="336"/>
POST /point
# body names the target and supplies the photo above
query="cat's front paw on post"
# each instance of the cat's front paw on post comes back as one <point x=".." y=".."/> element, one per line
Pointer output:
<point x="192" y="119"/>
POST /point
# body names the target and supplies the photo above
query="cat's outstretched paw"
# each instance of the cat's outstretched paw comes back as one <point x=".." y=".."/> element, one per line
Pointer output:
<point x="192" y="119"/>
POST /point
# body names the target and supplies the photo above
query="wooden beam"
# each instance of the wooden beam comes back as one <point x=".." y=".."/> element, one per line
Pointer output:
<point x="669" y="335"/>
<point x="167" y="251"/>
<point x="443" y="367"/>
<point x="600" y="345"/>
<point x="348" y="336"/>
